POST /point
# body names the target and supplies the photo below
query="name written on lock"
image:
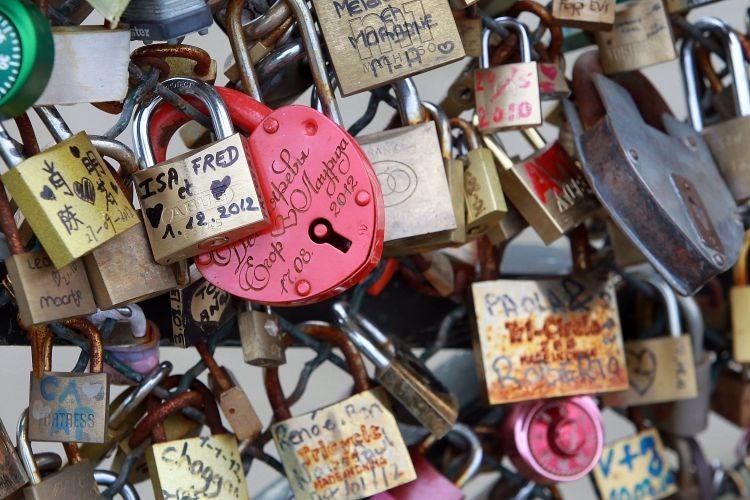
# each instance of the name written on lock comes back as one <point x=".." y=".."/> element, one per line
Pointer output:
<point x="547" y="338"/>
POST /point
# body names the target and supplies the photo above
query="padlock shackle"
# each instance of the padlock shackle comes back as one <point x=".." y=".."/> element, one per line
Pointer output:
<point x="554" y="49"/>
<point x="210" y="408"/>
<point x="669" y="298"/>
<point x="330" y="335"/>
<point x="443" y="126"/>
<point x="222" y="124"/>
<point x="223" y="382"/>
<point x="523" y="36"/>
<point x="54" y="122"/>
<point x="163" y="50"/>
<point x="693" y="320"/>
<point x="469" y="132"/>
<point x="108" y="478"/>
<point x="236" y="35"/>
<point x="118" y="416"/>
<point x="23" y="445"/>
<point x="10" y="154"/>
<point x="409" y="104"/>
<point x="83" y="327"/>
<point x="475" y="452"/>
<point x="8" y="224"/>
<point x="365" y="335"/>
<point x="735" y="61"/>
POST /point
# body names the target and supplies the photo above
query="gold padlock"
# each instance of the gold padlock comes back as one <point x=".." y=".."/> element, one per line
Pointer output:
<point x="593" y="15"/>
<point x="507" y="96"/>
<point x="739" y="305"/>
<point x="261" y="337"/>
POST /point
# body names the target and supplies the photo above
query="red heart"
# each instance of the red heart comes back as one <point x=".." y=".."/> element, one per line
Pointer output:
<point x="548" y="70"/>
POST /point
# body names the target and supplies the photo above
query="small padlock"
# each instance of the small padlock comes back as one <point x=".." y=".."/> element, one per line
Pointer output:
<point x="28" y="53"/>
<point x="739" y="299"/>
<point x="233" y="401"/>
<point x="12" y="473"/>
<point x="688" y="417"/>
<point x="68" y="407"/>
<point x="554" y="440"/>
<point x="110" y="266"/>
<point x="68" y="196"/>
<point x="201" y="199"/>
<point x="430" y="482"/>
<point x="485" y="203"/>
<point x="731" y="397"/>
<point x="659" y="369"/>
<point x="72" y="481"/>
<point x="727" y="139"/>
<point x="403" y="375"/>
<point x="507" y="96"/>
<point x="358" y="450"/>
<point x="172" y="474"/>
<point x="592" y="15"/>
<point x="155" y="20"/>
<point x="261" y="337"/>
<point x="641" y="36"/>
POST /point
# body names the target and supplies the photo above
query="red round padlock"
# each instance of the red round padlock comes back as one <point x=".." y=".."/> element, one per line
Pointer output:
<point x="555" y="440"/>
<point x="322" y="196"/>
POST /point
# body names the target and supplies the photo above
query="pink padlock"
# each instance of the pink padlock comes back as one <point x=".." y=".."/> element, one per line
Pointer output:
<point x="554" y="440"/>
<point x="431" y="483"/>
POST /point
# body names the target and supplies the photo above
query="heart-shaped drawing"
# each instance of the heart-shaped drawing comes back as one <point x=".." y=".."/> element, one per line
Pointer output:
<point x="40" y="411"/>
<point x="85" y="190"/>
<point x="47" y="194"/>
<point x="154" y="214"/>
<point x="218" y="188"/>
<point x="446" y="47"/>
<point x="92" y="391"/>
<point x="641" y="369"/>
<point x="281" y="223"/>
<point x="548" y="70"/>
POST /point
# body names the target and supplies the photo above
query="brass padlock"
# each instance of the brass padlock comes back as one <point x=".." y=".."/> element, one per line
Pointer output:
<point x="358" y="450"/>
<point x="68" y="407"/>
<point x="403" y="375"/>
<point x="731" y="397"/>
<point x="727" y="139"/>
<point x="261" y="337"/>
<point x="469" y="25"/>
<point x="485" y="203"/>
<point x="12" y="473"/>
<point x="122" y="270"/>
<point x="507" y="96"/>
<point x="68" y="196"/>
<point x="641" y="36"/>
<point x="739" y="300"/>
<point x="201" y="199"/>
<point x="593" y="15"/>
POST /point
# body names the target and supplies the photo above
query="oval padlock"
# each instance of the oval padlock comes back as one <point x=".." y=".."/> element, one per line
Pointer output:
<point x="27" y="53"/>
<point x="555" y="440"/>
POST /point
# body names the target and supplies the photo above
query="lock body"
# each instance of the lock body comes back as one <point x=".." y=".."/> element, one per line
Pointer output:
<point x="594" y="15"/>
<point x="455" y="174"/>
<point x="72" y="481"/>
<point x="485" y="203"/>
<point x="739" y="299"/>
<point x="198" y="310"/>
<point x="12" y="473"/>
<point x="157" y="20"/>
<point x="140" y="354"/>
<point x="731" y="398"/>
<point x="507" y="97"/>
<point x="728" y="143"/>
<point x="260" y="334"/>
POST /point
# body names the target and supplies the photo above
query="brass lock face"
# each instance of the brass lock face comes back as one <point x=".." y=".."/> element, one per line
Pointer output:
<point x="68" y="407"/>
<point x="485" y="203"/>
<point x="585" y="14"/>
<point x="70" y="199"/>
<point x="374" y="45"/>
<point x="72" y="481"/>
<point x="260" y="334"/>
<point x="12" y="474"/>
<point x="527" y="346"/>
<point x="641" y="36"/>
<point x="470" y="31"/>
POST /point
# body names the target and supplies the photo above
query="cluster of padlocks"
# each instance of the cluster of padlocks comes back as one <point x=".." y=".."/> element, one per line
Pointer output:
<point x="274" y="226"/>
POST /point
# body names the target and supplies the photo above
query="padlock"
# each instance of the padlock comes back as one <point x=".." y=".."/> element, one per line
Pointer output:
<point x="357" y="449"/>
<point x="67" y="407"/>
<point x="694" y="479"/>
<point x="125" y="412"/>
<point x="681" y="6"/>
<point x="110" y="266"/>
<point x="641" y="36"/>
<point x="100" y="75"/>
<point x="233" y="401"/>
<point x="42" y="293"/>
<point x="659" y="369"/>
<point x="688" y="417"/>
<point x="430" y="482"/>
<point x="393" y="41"/>
<point x="68" y="197"/>
<point x="593" y="15"/>
<point x="726" y="139"/>
<point x="526" y="341"/>
<point x="183" y="60"/>
<point x="485" y="203"/>
<point x="261" y="337"/>
<point x="12" y="473"/>
<point x="172" y="464"/>
<point x="402" y="374"/>
<point x="731" y="397"/>
<point x="469" y="25"/>
<point x="739" y="297"/>
<point x="72" y="481"/>
<point x="202" y="199"/>
<point x="554" y="440"/>
<point x="345" y="228"/>
<point x="155" y="20"/>
<point x="507" y="96"/>
<point x="667" y="194"/>
<point x="28" y="53"/>
<point x="548" y="189"/>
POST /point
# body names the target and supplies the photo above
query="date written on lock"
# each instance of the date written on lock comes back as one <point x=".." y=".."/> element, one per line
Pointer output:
<point x="507" y="96"/>
<point x="348" y="450"/>
<point x="548" y="338"/>
<point x="635" y="467"/>
<point x="66" y="407"/>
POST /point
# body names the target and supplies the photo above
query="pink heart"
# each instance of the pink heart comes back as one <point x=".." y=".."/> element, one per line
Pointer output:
<point x="548" y="70"/>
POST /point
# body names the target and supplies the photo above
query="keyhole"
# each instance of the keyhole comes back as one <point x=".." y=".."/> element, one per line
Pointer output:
<point x="321" y="232"/>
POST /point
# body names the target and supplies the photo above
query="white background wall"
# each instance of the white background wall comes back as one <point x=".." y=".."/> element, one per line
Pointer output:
<point x="329" y="384"/>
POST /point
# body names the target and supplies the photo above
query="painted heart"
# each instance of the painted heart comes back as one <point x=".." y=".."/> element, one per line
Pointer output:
<point x="446" y="47"/>
<point x="153" y="214"/>
<point x="641" y="369"/>
<point x="218" y="188"/>
<point x="281" y="223"/>
<point x="93" y="390"/>
<point x="548" y="70"/>
<point x="47" y="194"/>
<point x="85" y="190"/>
<point x="75" y="151"/>
<point x="40" y="411"/>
